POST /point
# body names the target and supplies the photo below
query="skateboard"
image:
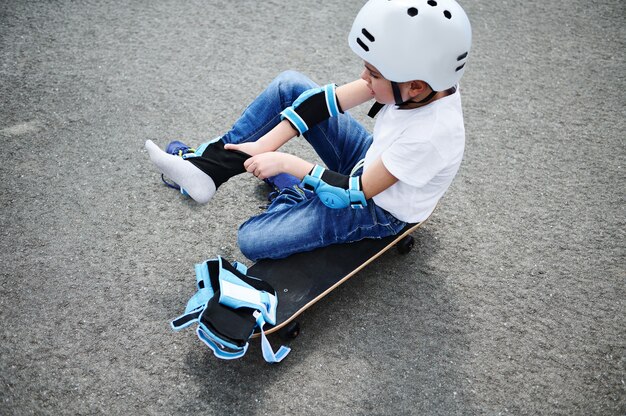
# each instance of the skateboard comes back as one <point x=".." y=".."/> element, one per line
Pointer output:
<point x="302" y="279"/>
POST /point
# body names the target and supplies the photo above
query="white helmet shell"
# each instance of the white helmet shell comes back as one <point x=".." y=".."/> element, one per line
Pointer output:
<point x="408" y="40"/>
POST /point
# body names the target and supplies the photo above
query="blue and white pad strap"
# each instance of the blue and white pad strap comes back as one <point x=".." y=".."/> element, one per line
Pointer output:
<point x="297" y="121"/>
<point x="311" y="181"/>
<point x="241" y="268"/>
<point x="333" y="196"/>
<point x="317" y="172"/>
<point x="203" y="280"/>
<point x="197" y="303"/>
<point x="305" y="96"/>
<point x="355" y="184"/>
<point x="357" y="197"/>
<point x="237" y="294"/>
<point x="195" y="306"/>
<point x="331" y="100"/>
<point x="268" y="353"/>
<point x="186" y="319"/>
<point x="199" y="299"/>
<point x="217" y="348"/>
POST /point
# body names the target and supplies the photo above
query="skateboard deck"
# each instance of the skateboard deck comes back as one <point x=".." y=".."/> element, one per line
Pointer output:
<point x="302" y="279"/>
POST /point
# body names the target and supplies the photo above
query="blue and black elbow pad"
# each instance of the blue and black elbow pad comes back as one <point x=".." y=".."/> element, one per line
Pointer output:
<point x="311" y="107"/>
<point x="334" y="189"/>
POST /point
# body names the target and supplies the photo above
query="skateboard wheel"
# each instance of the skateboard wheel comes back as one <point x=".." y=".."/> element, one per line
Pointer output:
<point x="406" y="244"/>
<point x="290" y="331"/>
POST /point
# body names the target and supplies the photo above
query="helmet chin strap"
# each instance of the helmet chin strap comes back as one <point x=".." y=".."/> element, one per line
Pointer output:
<point x="397" y="96"/>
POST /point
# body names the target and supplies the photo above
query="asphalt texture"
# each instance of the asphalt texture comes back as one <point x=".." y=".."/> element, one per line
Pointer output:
<point x="512" y="301"/>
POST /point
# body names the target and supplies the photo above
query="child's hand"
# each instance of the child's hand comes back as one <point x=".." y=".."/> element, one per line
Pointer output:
<point x="265" y="165"/>
<point x="269" y="164"/>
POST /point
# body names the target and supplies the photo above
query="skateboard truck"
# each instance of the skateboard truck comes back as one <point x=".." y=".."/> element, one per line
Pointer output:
<point x="290" y="331"/>
<point x="405" y="245"/>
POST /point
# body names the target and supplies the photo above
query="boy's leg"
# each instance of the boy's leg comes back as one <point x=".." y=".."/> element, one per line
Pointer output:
<point x="341" y="142"/>
<point x="197" y="184"/>
<point x="263" y="114"/>
<point x="218" y="164"/>
<point x="294" y="223"/>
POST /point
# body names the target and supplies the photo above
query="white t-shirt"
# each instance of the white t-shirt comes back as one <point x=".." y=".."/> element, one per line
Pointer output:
<point x="423" y="148"/>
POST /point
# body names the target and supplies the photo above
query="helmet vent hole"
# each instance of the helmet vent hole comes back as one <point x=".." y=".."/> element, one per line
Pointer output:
<point x="459" y="68"/>
<point x="447" y="14"/>
<point x="463" y="56"/>
<point x="432" y="3"/>
<point x="412" y="12"/>
<point x="362" y="45"/>
<point x="368" y="35"/>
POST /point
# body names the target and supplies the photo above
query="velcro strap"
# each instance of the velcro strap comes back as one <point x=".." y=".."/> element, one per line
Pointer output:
<point x="311" y="181"/>
<point x="186" y="319"/>
<point x="198" y="300"/>
<point x="317" y="171"/>
<point x="357" y="197"/>
<point x="200" y="150"/>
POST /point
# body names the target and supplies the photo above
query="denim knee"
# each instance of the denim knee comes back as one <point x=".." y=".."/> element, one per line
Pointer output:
<point x="291" y="84"/>
<point x="248" y="241"/>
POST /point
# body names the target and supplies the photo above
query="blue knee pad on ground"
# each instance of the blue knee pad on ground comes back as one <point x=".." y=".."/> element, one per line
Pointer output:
<point x="228" y="307"/>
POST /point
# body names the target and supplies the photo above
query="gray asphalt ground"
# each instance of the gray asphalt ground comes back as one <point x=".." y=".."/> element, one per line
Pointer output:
<point x="512" y="302"/>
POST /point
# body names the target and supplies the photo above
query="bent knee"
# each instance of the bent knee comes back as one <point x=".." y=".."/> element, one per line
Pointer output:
<point x="292" y="77"/>
<point x="293" y="83"/>
<point x="249" y="241"/>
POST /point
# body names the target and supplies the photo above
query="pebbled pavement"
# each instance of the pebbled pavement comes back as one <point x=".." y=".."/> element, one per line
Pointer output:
<point x="512" y="302"/>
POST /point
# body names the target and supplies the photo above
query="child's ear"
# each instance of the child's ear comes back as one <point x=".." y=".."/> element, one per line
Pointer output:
<point x="417" y="87"/>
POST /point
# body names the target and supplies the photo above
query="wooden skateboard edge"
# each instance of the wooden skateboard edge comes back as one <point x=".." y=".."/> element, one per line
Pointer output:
<point x="348" y="276"/>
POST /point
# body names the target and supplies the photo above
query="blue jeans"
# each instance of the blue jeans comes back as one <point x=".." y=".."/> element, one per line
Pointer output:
<point x="293" y="222"/>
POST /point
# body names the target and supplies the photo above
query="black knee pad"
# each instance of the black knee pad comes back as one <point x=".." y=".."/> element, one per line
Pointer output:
<point x="220" y="164"/>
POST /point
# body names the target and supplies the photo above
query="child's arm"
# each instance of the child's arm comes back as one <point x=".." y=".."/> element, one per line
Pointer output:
<point x="273" y="140"/>
<point x="339" y="191"/>
<point x="353" y="94"/>
<point x="349" y="95"/>
<point x="265" y="165"/>
<point x="375" y="180"/>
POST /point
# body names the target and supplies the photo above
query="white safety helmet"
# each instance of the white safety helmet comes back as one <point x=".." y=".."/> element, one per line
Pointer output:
<point x="408" y="40"/>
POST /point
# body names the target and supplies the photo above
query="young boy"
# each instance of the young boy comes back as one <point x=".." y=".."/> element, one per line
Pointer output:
<point x="414" y="55"/>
